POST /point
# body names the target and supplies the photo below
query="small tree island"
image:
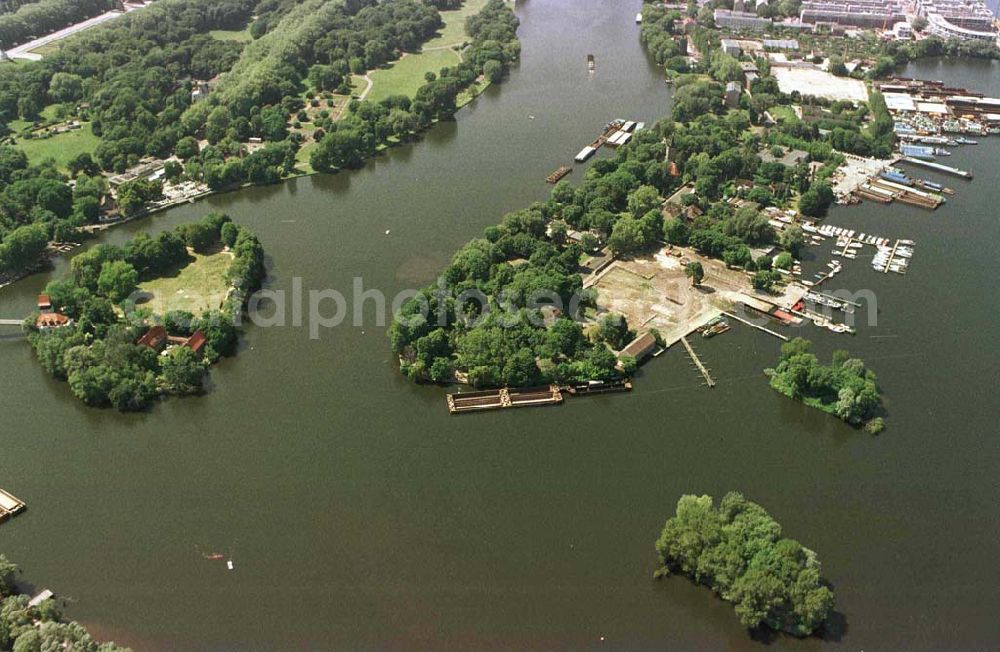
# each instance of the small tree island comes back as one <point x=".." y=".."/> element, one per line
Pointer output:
<point x="844" y="388"/>
<point x="97" y="330"/>
<point x="737" y="550"/>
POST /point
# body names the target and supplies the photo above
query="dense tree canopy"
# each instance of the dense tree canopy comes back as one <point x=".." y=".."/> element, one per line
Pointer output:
<point x="844" y="388"/>
<point x="738" y="550"/>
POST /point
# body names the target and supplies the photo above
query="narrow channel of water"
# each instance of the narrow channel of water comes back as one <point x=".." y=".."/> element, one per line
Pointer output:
<point x="360" y="514"/>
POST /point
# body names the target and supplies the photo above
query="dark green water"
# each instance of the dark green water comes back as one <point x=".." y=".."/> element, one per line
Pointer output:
<point x="360" y="514"/>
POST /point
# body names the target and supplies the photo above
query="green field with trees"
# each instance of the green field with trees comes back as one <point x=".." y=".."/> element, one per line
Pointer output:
<point x="97" y="354"/>
<point x="197" y="285"/>
<point x="406" y="76"/>
<point x="33" y="629"/>
<point x="844" y="388"/>
<point x="61" y="148"/>
<point x="737" y="549"/>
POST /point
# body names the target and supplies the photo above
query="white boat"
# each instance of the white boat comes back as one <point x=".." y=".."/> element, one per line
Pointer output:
<point x="638" y="18"/>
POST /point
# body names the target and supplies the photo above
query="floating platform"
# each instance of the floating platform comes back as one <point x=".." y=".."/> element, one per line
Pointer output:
<point x="558" y="174"/>
<point x="10" y="505"/>
<point x="495" y="399"/>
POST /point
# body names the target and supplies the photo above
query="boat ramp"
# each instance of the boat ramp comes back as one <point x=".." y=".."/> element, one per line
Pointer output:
<point x="10" y="505"/>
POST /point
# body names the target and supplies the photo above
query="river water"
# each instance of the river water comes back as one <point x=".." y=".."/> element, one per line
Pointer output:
<point x="359" y="513"/>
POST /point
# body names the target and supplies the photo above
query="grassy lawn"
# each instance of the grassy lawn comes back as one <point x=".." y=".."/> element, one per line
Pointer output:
<point x="302" y="158"/>
<point x="407" y="75"/>
<point x="783" y="113"/>
<point x="61" y="147"/>
<point x="454" y="24"/>
<point x="242" y="35"/>
<point x="198" y="286"/>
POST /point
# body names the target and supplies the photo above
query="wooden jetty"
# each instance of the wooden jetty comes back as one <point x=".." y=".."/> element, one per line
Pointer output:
<point x="495" y="399"/>
<point x="10" y="505"/>
<point x="558" y="174"/>
<point x="697" y="361"/>
<point x="892" y="255"/>
<point x="11" y="322"/>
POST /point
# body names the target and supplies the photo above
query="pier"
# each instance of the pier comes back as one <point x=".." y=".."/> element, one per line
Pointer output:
<point x="757" y="326"/>
<point x="10" y="505"/>
<point x="495" y="399"/>
<point x="697" y="362"/>
<point x="892" y="255"/>
<point x="11" y="322"/>
<point x="937" y="166"/>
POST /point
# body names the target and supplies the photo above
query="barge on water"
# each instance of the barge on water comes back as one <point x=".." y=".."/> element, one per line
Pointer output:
<point x="512" y="397"/>
<point x="558" y="174"/>
<point x="10" y="505"/>
<point x="599" y="387"/>
<point x="937" y="166"/>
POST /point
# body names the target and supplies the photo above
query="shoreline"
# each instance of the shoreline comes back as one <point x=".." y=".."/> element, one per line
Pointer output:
<point x="100" y="227"/>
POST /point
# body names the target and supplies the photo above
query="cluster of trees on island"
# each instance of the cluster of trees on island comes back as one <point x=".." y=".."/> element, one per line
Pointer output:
<point x="24" y="628"/>
<point x="97" y="354"/>
<point x="845" y="387"/>
<point x="737" y="549"/>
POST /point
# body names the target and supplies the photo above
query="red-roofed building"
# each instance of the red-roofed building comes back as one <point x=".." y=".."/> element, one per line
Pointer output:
<point x="196" y="342"/>
<point x="44" y="303"/>
<point x="50" y="320"/>
<point x="155" y="338"/>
